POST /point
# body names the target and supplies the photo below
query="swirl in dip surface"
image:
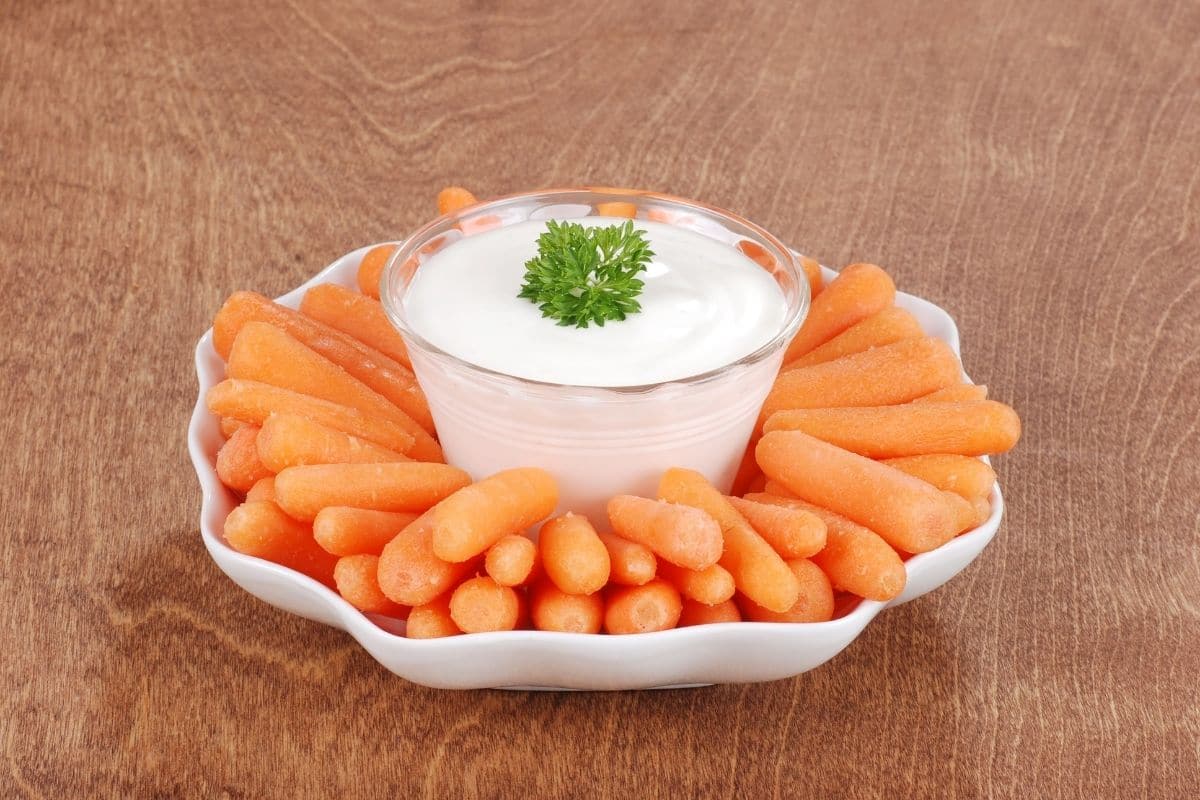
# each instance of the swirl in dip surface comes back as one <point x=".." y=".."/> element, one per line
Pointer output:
<point x="704" y="305"/>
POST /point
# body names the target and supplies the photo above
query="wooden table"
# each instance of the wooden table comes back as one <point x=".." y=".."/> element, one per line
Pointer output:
<point x="1033" y="167"/>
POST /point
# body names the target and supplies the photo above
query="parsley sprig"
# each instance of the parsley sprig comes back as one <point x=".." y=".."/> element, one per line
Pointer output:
<point x="583" y="274"/>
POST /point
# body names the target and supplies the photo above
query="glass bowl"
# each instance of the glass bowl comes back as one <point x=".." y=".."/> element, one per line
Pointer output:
<point x="597" y="441"/>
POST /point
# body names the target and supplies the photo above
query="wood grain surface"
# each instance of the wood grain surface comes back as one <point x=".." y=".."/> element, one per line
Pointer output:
<point x="1033" y="167"/>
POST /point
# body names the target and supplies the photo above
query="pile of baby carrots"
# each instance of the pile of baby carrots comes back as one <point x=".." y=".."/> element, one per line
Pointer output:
<point x="866" y="452"/>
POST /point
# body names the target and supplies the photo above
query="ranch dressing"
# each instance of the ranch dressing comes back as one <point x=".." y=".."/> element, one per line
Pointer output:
<point x="704" y="305"/>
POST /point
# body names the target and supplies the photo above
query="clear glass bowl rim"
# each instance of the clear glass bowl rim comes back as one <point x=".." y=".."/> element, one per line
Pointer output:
<point x="798" y="304"/>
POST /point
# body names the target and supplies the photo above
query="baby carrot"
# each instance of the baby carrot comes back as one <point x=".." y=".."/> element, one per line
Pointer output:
<point x="384" y="375"/>
<point x="983" y="510"/>
<point x="959" y="393"/>
<point x="886" y="327"/>
<point x="453" y="198"/>
<point x="758" y="571"/>
<point x="812" y="271"/>
<point x="681" y="534"/>
<point x="261" y="529"/>
<point x="695" y="613"/>
<point x="859" y="291"/>
<point x="709" y="586"/>
<point x="355" y="315"/>
<point x="966" y="513"/>
<point x="813" y="604"/>
<point x="407" y="486"/>
<point x="962" y="475"/>
<point x="552" y="609"/>
<point x="747" y="471"/>
<point x="357" y="582"/>
<point x="791" y="532"/>
<point x="254" y="402"/>
<point x="264" y="353"/>
<point x="633" y="564"/>
<point x="907" y="512"/>
<point x="431" y="620"/>
<point x="655" y="606"/>
<point x="894" y="373"/>
<point x="263" y="489"/>
<point x="856" y="559"/>
<point x="229" y="426"/>
<point x="912" y="429"/>
<point x="238" y="464"/>
<point x="510" y="561"/>
<point x="370" y="269"/>
<point x="774" y="489"/>
<point x="756" y="253"/>
<point x="476" y="516"/>
<point x="288" y="440"/>
<point x="617" y="209"/>
<point x="346" y="531"/>
<point x="480" y="605"/>
<point x="573" y="556"/>
<point x="410" y="573"/>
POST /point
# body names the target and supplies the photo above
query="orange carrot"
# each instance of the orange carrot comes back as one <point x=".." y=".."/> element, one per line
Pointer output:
<point x="959" y="393"/>
<point x="859" y="291"/>
<point x="454" y="198"/>
<point x="747" y="471"/>
<point x="757" y="253"/>
<point x="573" y="556"/>
<point x="552" y="609"/>
<point x="633" y="564"/>
<point x="475" y="517"/>
<point x="356" y="581"/>
<point x="655" y="606"/>
<point x="510" y="560"/>
<point x="264" y="353"/>
<point x="774" y="489"/>
<point x="758" y="571"/>
<point x="409" y="486"/>
<point x="963" y="475"/>
<point x="856" y="559"/>
<point x="410" y="573"/>
<point x="238" y="464"/>
<point x="384" y="375"/>
<point x="886" y="327"/>
<point x="913" y="429"/>
<point x="370" y="269"/>
<point x="288" y="440"/>
<point x="355" y="315"/>
<point x="894" y="373"/>
<point x="681" y="534"/>
<point x="791" y="532"/>
<point x="346" y="531"/>
<point x="812" y="271"/>
<point x="263" y="489"/>
<point x="695" y="613"/>
<point x="709" y="586"/>
<point x="229" y="426"/>
<point x="983" y="510"/>
<point x="262" y="530"/>
<point x="907" y="512"/>
<point x="813" y="604"/>
<point x="616" y="209"/>
<point x="480" y="605"/>
<point x="254" y="402"/>
<point x="431" y="620"/>
<point x="966" y="513"/>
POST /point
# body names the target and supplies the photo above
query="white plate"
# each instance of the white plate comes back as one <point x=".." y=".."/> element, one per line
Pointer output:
<point x="736" y="652"/>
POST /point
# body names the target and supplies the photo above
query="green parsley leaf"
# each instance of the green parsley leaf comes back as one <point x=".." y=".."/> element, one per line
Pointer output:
<point x="583" y="274"/>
